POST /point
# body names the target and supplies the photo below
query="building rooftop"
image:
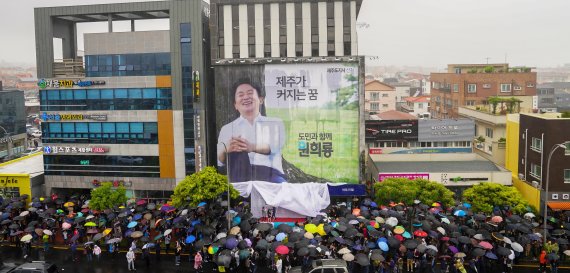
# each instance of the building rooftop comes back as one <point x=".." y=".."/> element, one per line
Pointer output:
<point x="437" y="166"/>
<point x="417" y="99"/>
<point x="32" y="165"/>
<point x="375" y="85"/>
<point x="395" y="115"/>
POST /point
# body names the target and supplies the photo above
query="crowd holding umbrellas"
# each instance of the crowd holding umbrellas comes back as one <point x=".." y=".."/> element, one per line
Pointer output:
<point x="371" y="237"/>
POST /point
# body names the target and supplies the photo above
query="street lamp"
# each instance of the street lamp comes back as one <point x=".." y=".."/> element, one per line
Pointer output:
<point x="229" y="177"/>
<point x="554" y="148"/>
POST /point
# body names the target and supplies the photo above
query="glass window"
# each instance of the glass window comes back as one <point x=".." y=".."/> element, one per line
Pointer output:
<point x="566" y="175"/>
<point x="81" y="127"/>
<point x="54" y="127"/>
<point x="80" y="94"/>
<point x="95" y="127"/>
<point x="122" y="127"/>
<point x="149" y="93"/>
<point x="150" y="127"/>
<point x="121" y="93"/>
<point x="66" y="94"/>
<point x="136" y="127"/>
<point x="109" y="127"/>
<point x="67" y="127"/>
<point x="93" y="94"/>
<point x="135" y="93"/>
<point x="536" y="144"/>
<point x="471" y="88"/>
<point x="53" y="94"/>
<point x="535" y="170"/>
<point x="107" y="94"/>
<point x="505" y="87"/>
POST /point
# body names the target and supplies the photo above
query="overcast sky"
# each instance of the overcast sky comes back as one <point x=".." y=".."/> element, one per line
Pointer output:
<point x="404" y="32"/>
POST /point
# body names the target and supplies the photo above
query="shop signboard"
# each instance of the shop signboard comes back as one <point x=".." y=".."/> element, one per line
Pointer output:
<point x="66" y="83"/>
<point x="410" y="176"/>
<point x="391" y="130"/>
<point x="288" y="122"/>
<point x="15" y="185"/>
<point x="433" y="130"/>
<point x="72" y="116"/>
<point x="75" y="150"/>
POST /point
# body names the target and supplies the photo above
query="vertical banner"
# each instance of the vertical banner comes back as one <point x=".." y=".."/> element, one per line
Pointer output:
<point x="288" y="122"/>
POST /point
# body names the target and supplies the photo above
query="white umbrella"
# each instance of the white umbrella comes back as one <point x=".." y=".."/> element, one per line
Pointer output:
<point x="221" y="235"/>
<point x="184" y="212"/>
<point x="507" y="240"/>
<point x="392" y="221"/>
<point x="517" y="247"/>
<point x="24" y="213"/>
<point x="26" y="238"/>
<point x="441" y="230"/>
<point x="567" y="252"/>
<point x="379" y="220"/>
<point x="343" y="251"/>
<point x="445" y="220"/>
<point x="512" y="255"/>
<point x="529" y="215"/>
<point x="89" y="217"/>
<point x="168" y="231"/>
<point x="348" y="257"/>
<point x="48" y="232"/>
<point x="432" y="247"/>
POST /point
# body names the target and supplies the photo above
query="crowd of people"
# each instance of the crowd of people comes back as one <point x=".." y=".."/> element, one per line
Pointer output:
<point x="385" y="238"/>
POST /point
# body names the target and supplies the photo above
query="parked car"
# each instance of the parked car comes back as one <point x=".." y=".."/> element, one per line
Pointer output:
<point x="129" y="160"/>
<point x="36" y="134"/>
<point x="30" y="151"/>
<point x="323" y="266"/>
<point x="35" y="267"/>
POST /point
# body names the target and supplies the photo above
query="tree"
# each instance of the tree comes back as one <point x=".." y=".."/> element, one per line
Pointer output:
<point x="206" y="184"/>
<point x="404" y="190"/>
<point x="106" y="196"/>
<point x="485" y="196"/>
<point x="489" y="69"/>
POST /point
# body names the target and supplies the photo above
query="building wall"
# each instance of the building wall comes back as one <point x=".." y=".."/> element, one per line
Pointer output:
<point x="491" y="148"/>
<point x="127" y="42"/>
<point x="443" y="87"/>
<point x="386" y="101"/>
<point x="512" y="149"/>
<point x="528" y="192"/>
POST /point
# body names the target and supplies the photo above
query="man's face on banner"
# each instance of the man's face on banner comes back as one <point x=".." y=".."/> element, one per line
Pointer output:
<point x="247" y="101"/>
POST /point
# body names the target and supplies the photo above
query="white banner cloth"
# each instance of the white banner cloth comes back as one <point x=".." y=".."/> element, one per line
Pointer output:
<point x="303" y="198"/>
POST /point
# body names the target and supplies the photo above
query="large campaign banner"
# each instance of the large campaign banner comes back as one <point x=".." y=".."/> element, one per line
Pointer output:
<point x="288" y="122"/>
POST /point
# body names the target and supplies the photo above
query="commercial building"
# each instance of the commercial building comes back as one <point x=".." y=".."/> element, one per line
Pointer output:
<point x="532" y="139"/>
<point x="12" y="124"/>
<point x="22" y="176"/>
<point x="379" y="97"/>
<point x="554" y="97"/>
<point x="131" y="112"/>
<point x="473" y="84"/>
<point x="490" y="124"/>
<point x="301" y="59"/>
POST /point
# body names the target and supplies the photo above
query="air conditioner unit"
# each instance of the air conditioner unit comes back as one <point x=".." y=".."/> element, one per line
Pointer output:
<point x="535" y="184"/>
<point x="521" y="176"/>
<point x="565" y="196"/>
<point x="555" y="196"/>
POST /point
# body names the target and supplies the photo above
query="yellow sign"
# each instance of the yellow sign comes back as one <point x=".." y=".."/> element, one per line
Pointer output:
<point x="15" y="185"/>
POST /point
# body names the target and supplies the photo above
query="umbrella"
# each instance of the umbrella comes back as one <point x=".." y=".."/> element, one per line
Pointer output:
<point x="552" y="257"/>
<point x="362" y="259"/>
<point x="97" y="237"/>
<point x="411" y="244"/>
<point x="283" y="250"/>
<point x="517" y="247"/>
<point x="459" y="255"/>
<point x="68" y="204"/>
<point x="280" y="237"/>
<point x="529" y="215"/>
<point x="48" y="232"/>
<point x="460" y="213"/>
<point x="305" y="251"/>
<point x="136" y="234"/>
<point x="343" y="251"/>
<point x="14" y="226"/>
<point x="231" y="243"/>
<point x="478" y="252"/>
<point x="148" y="245"/>
<point x="26" y="238"/>
<point x="486" y="245"/>
<point x="24" y="213"/>
<point x="497" y="219"/>
<point x="90" y="224"/>
<point x="567" y="252"/>
<point x="107" y="231"/>
<point x="348" y="257"/>
<point x="420" y="233"/>
<point x="503" y="251"/>
<point x="168" y="231"/>
<point x="377" y="256"/>
<point x="113" y="241"/>
<point x="399" y="230"/>
<point x="66" y="225"/>
<point x="132" y="224"/>
<point x="491" y="255"/>
<point x="267" y="226"/>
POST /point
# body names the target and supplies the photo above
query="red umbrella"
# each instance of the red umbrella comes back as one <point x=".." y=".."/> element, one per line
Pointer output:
<point x="283" y="250"/>
<point x="141" y="202"/>
<point x="399" y="237"/>
<point x="486" y="245"/>
<point x="497" y="219"/>
<point x="420" y="233"/>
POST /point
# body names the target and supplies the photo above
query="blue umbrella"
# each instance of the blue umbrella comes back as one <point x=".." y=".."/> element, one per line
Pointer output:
<point x="237" y="220"/>
<point x="231" y="243"/>
<point x="190" y="239"/>
<point x="381" y="239"/>
<point x="195" y="222"/>
<point x="280" y="237"/>
<point x="467" y="205"/>
<point x="137" y="217"/>
<point x="373" y="204"/>
<point x="202" y="204"/>
<point x="132" y="224"/>
<point x="491" y="255"/>
<point x="371" y="245"/>
<point x="357" y="247"/>
<point x="383" y="246"/>
<point x="460" y="213"/>
<point x="407" y="235"/>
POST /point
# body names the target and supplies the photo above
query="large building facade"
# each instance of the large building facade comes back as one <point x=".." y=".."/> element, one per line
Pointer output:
<point x="12" y="123"/>
<point x="473" y="84"/>
<point x="130" y="113"/>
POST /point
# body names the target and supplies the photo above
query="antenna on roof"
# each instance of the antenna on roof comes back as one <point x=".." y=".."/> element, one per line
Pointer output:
<point x="487" y="59"/>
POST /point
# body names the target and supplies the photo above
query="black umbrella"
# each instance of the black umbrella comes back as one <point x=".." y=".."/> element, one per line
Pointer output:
<point x="295" y="236"/>
<point x="262" y="244"/>
<point x="29" y="229"/>
<point x="552" y="257"/>
<point x="558" y="232"/>
<point x="377" y="256"/>
<point x="14" y="226"/>
<point x="245" y="226"/>
<point x="303" y="251"/>
<point x="5" y="222"/>
<point x="393" y="242"/>
<point x="263" y="226"/>
<point x="502" y="251"/>
<point x="464" y="239"/>
<point x="479" y="217"/>
<point x="411" y="244"/>
<point x="19" y="218"/>
<point x="362" y="259"/>
<point x="478" y="252"/>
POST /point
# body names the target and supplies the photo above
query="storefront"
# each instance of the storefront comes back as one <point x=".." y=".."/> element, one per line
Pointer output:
<point x="15" y="185"/>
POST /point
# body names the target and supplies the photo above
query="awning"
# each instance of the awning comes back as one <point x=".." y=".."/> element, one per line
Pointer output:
<point x="559" y="205"/>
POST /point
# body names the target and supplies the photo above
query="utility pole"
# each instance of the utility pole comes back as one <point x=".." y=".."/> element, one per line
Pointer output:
<point x="487" y="59"/>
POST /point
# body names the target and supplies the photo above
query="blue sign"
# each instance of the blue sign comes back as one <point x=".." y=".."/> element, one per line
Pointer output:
<point x="347" y="190"/>
<point x="47" y="149"/>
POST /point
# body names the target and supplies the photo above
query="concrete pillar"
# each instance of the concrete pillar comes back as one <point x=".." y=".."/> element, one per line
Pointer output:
<point x="132" y="25"/>
<point x="110" y="22"/>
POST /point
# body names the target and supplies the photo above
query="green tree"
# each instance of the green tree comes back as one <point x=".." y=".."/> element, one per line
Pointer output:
<point x="485" y="196"/>
<point x="489" y="69"/>
<point x="404" y="190"/>
<point x="201" y="186"/>
<point x="106" y="196"/>
<point x="565" y="114"/>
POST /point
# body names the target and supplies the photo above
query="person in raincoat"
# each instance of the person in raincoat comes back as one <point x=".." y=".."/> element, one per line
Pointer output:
<point x="131" y="259"/>
<point x="198" y="261"/>
<point x="542" y="262"/>
<point x="459" y="266"/>
<point x="45" y="239"/>
<point x="97" y="252"/>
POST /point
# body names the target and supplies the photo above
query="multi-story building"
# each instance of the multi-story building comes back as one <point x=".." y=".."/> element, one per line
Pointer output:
<point x="554" y="97"/>
<point x="490" y="126"/>
<point x="379" y="97"/>
<point x="472" y="84"/>
<point x="12" y="123"/>
<point x="534" y="154"/>
<point x="418" y="106"/>
<point x="132" y="112"/>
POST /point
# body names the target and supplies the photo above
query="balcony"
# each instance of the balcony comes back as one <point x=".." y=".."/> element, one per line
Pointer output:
<point x="444" y="89"/>
<point x="69" y="68"/>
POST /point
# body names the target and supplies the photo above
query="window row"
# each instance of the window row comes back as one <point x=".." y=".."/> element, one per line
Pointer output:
<point x="139" y="64"/>
<point x="100" y="132"/>
<point x="77" y="172"/>
<point x="106" y="99"/>
<point x="415" y="144"/>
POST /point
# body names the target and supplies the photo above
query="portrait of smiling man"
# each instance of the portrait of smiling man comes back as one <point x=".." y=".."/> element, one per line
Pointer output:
<point x="252" y="143"/>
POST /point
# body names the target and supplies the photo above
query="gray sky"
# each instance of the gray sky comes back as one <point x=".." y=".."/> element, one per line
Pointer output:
<point x="404" y="32"/>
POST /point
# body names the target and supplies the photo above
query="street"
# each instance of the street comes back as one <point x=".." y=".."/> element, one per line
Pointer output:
<point x="118" y="264"/>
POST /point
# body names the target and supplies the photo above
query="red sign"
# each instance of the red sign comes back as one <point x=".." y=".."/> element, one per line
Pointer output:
<point x="375" y="151"/>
